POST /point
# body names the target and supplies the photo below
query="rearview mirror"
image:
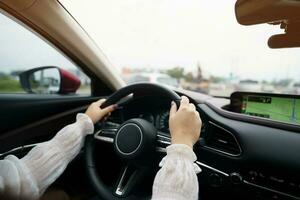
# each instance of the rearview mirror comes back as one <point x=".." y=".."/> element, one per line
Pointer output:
<point x="49" y="80"/>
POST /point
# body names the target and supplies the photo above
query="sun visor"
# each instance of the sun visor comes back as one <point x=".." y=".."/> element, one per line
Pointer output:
<point x="18" y="5"/>
<point x="285" y="13"/>
<point x="250" y="12"/>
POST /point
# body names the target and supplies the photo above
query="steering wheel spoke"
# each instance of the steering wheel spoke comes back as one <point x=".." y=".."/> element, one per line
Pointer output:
<point x="129" y="177"/>
<point x="163" y="140"/>
<point x="107" y="133"/>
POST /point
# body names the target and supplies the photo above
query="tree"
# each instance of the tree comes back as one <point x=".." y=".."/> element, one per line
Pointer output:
<point x="189" y="77"/>
<point x="176" y="72"/>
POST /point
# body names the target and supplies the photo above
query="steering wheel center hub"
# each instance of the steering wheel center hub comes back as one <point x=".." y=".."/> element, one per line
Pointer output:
<point x="128" y="139"/>
<point x="135" y="140"/>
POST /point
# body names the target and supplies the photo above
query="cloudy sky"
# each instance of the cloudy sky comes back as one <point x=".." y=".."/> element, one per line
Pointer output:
<point x="20" y="49"/>
<point x="168" y="33"/>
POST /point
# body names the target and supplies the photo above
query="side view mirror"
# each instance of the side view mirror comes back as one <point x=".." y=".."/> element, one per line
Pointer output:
<point x="49" y="80"/>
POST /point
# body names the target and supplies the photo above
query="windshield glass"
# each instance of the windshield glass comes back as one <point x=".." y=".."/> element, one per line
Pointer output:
<point x="195" y="44"/>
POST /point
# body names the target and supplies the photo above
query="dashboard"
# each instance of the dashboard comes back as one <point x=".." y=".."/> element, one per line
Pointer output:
<point x="242" y="155"/>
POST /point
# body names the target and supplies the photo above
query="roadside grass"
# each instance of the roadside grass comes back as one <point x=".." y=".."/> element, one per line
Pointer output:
<point x="7" y="84"/>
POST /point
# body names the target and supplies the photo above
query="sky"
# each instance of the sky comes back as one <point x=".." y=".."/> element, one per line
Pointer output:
<point x="168" y="33"/>
<point x="20" y="49"/>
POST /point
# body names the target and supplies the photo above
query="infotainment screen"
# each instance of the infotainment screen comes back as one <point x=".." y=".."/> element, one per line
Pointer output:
<point x="285" y="108"/>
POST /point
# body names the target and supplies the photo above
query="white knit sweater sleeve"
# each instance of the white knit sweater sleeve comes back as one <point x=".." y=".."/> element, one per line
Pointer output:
<point x="177" y="179"/>
<point x="29" y="177"/>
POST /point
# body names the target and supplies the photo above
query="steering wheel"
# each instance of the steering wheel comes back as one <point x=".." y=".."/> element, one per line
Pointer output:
<point x="135" y="142"/>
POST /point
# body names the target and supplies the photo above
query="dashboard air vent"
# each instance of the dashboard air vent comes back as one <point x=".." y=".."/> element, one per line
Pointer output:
<point x="221" y="140"/>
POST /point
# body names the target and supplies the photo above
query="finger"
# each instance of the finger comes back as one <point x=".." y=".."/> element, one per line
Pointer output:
<point x="173" y="109"/>
<point x="184" y="101"/>
<point x="106" y="117"/>
<point x="109" y="109"/>
<point x="198" y="114"/>
<point x="192" y="106"/>
<point x="100" y="102"/>
<point x="108" y="114"/>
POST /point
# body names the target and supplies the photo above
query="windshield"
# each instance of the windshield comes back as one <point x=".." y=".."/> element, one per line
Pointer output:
<point x="195" y="44"/>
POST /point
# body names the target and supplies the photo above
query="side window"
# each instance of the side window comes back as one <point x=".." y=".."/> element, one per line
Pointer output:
<point x="30" y="65"/>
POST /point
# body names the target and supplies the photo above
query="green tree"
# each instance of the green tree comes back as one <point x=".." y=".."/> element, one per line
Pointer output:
<point x="189" y="77"/>
<point x="176" y="72"/>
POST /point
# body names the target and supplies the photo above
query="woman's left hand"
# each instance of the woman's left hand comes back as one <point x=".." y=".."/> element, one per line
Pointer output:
<point x="96" y="113"/>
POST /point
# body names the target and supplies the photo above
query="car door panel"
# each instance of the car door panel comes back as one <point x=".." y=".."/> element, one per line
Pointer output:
<point x="27" y="119"/>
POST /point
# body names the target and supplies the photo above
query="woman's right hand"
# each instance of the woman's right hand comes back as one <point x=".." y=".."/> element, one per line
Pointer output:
<point x="184" y="123"/>
<point x="96" y="113"/>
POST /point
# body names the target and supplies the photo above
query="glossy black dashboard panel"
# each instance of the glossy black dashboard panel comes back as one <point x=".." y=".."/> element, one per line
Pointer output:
<point x="269" y="159"/>
<point x="269" y="165"/>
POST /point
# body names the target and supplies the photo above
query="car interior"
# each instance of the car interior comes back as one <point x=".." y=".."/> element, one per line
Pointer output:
<point x="244" y="151"/>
